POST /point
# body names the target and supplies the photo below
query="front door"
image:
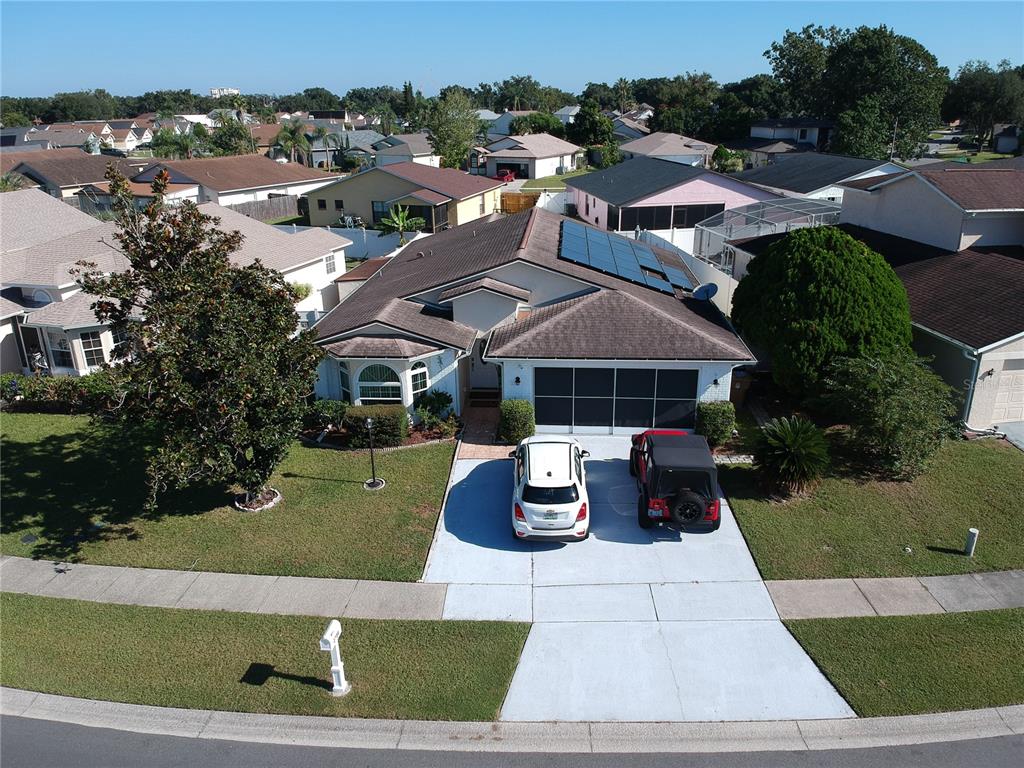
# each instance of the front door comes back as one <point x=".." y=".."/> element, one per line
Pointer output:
<point x="483" y="375"/>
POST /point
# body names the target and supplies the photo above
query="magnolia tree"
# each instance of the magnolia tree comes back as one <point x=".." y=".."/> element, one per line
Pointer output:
<point x="209" y="358"/>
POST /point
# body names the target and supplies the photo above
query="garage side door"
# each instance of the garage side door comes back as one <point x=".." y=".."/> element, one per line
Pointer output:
<point x="1009" y="401"/>
<point x="626" y="398"/>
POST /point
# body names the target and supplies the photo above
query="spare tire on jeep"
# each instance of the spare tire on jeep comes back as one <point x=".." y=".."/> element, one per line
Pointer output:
<point x="687" y="507"/>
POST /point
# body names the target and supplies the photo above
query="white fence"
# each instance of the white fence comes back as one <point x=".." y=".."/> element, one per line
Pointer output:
<point x="365" y="242"/>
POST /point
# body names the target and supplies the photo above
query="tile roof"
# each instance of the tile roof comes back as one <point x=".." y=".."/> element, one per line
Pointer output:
<point x="535" y="145"/>
<point x="975" y="296"/>
<point x="808" y="171"/>
<point x="363" y="272"/>
<point x="485" y="283"/>
<point x="662" y="143"/>
<point x="380" y="347"/>
<point x="634" y="179"/>
<point x="30" y="216"/>
<point x="532" y="237"/>
<point x="226" y="174"/>
<point x="447" y="181"/>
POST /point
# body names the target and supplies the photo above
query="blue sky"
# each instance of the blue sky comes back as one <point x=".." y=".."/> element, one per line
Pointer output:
<point x="282" y="47"/>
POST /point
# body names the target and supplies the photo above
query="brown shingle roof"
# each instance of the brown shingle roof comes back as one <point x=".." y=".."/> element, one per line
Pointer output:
<point x="485" y="283"/>
<point x="980" y="189"/>
<point x="534" y="145"/>
<point x="72" y="167"/>
<point x="380" y="347"/>
<point x="975" y="296"/>
<point x="447" y="181"/>
<point x="363" y="272"/>
<point x="226" y="174"/>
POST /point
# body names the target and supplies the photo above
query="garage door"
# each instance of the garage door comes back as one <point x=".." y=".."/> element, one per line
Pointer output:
<point x="588" y="398"/>
<point x="1009" y="403"/>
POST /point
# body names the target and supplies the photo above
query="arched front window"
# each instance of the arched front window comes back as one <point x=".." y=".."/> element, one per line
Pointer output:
<point x="379" y="385"/>
<point x="346" y="384"/>
<point x="420" y="379"/>
<point x="40" y="296"/>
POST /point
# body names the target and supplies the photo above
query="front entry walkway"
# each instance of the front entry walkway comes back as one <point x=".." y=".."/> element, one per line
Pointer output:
<point x="630" y="624"/>
<point x="480" y="434"/>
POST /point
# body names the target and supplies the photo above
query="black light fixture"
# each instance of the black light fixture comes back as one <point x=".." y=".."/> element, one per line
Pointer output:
<point x="374" y="483"/>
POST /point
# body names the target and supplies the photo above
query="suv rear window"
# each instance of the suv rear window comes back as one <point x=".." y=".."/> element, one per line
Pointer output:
<point x="565" y="495"/>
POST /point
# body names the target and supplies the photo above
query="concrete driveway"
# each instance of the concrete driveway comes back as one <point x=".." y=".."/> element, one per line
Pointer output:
<point x="629" y="624"/>
<point x="1014" y="433"/>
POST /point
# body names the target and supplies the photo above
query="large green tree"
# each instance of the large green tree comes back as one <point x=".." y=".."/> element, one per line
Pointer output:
<point x="798" y="61"/>
<point x="982" y="96"/>
<point x="864" y="131"/>
<point x="537" y="122"/>
<point x="231" y="137"/>
<point x="454" y="126"/>
<point x="211" y="363"/>
<point x="816" y="294"/>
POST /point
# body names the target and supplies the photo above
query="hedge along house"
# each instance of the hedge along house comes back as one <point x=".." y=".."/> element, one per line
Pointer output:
<point x="599" y="333"/>
<point x="59" y="328"/>
<point x="660" y="196"/>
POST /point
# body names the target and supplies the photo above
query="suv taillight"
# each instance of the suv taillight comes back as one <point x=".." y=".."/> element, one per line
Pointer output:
<point x="519" y="513"/>
<point x="582" y="514"/>
<point x="711" y="513"/>
<point x="659" y="506"/>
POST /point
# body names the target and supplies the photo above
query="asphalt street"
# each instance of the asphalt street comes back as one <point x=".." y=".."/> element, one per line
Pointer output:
<point x="29" y="743"/>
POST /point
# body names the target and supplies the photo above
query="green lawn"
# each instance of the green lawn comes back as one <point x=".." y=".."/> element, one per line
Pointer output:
<point x="555" y="182"/>
<point x="60" y="475"/>
<point x="971" y="155"/>
<point x="301" y="220"/>
<point x="901" y="665"/>
<point x="851" y="527"/>
<point x="436" y="670"/>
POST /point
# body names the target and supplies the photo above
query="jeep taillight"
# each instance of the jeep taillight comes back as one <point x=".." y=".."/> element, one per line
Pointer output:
<point x="659" y="506"/>
<point x="519" y="514"/>
<point x="711" y="513"/>
<point x="582" y="514"/>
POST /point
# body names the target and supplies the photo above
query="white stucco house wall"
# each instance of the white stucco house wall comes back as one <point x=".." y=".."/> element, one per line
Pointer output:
<point x="533" y="156"/>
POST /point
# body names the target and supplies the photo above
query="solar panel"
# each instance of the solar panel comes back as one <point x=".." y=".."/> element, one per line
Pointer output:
<point x="619" y="256"/>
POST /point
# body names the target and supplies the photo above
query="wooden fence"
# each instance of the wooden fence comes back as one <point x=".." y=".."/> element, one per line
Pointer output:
<point x="272" y="208"/>
<point x="514" y="202"/>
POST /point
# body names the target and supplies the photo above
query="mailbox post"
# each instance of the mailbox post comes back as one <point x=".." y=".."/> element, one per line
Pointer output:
<point x="329" y="642"/>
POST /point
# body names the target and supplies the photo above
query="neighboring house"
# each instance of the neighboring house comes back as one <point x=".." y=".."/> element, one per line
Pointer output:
<point x="96" y="198"/>
<point x="127" y="139"/>
<point x="486" y="115"/>
<point x="59" y="323"/>
<point x="658" y="196"/>
<point x="627" y="129"/>
<point x="204" y="120"/>
<point x="406" y="148"/>
<point x="770" y="139"/>
<point x="954" y="236"/>
<point x="23" y="139"/>
<point x="355" y="277"/>
<point x="507" y="308"/>
<point x="63" y="172"/>
<point x="1006" y="139"/>
<point x="442" y="197"/>
<point x="502" y="125"/>
<point x="567" y="115"/>
<point x="72" y="137"/>
<point x="239" y="178"/>
<point x="816" y="175"/>
<point x="670" y="146"/>
<point x="532" y="156"/>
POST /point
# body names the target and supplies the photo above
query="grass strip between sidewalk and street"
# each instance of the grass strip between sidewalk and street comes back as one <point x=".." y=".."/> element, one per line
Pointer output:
<point x="904" y="665"/>
<point x="74" y="490"/>
<point x="430" y="670"/>
<point x="853" y="527"/>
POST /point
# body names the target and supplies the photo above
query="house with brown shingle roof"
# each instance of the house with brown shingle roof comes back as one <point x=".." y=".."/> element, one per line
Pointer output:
<point x="600" y="333"/>
<point x="955" y="238"/>
<point x="442" y="197"/>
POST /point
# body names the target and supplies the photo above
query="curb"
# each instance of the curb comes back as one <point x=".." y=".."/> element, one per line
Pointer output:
<point x="565" y="737"/>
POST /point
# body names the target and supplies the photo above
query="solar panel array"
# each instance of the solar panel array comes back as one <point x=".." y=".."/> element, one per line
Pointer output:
<point x="616" y="255"/>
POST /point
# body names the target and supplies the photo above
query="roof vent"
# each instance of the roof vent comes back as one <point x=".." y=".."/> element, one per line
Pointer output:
<point x="419" y="254"/>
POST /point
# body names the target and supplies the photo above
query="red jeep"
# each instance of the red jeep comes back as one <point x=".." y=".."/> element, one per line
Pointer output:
<point x="677" y="479"/>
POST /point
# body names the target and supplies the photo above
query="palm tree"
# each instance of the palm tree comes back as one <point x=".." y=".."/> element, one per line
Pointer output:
<point x="292" y="138"/>
<point x="624" y="93"/>
<point x="186" y="145"/>
<point x="319" y="134"/>
<point x="11" y="182"/>
<point x="331" y="141"/>
<point x="398" y="220"/>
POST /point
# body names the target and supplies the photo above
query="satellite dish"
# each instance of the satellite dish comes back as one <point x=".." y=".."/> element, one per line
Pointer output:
<point x="705" y="292"/>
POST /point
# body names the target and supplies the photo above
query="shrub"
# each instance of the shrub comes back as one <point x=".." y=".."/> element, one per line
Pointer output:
<point x="301" y="290"/>
<point x="324" y="413"/>
<point x="791" y="454"/>
<point x="517" y="420"/>
<point x="817" y="294"/>
<point x="716" y="420"/>
<point x="430" y="422"/>
<point x="390" y="425"/>
<point x="899" y="411"/>
<point x="59" y="394"/>
<point x="435" y="402"/>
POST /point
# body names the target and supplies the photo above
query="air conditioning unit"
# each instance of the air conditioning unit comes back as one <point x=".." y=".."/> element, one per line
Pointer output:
<point x="560" y="170"/>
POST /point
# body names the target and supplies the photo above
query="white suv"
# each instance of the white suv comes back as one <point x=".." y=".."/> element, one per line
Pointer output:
<point x="550" y="498"/>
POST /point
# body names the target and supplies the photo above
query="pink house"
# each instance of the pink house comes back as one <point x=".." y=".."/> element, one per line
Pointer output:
<point x="656" y="195"/>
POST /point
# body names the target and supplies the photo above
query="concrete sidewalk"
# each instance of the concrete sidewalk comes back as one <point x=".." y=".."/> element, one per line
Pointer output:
<point x="352" y="598"/>
<point x="536" y="737"/>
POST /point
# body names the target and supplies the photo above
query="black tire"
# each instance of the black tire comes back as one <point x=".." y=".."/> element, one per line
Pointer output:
<point x="687" y="508"/>
<point x="642" y="517"/>
<point x="632" y="463"/>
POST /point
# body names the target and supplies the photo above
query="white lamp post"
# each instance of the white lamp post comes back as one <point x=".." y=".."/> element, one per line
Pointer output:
<point x="329" y="642"/>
